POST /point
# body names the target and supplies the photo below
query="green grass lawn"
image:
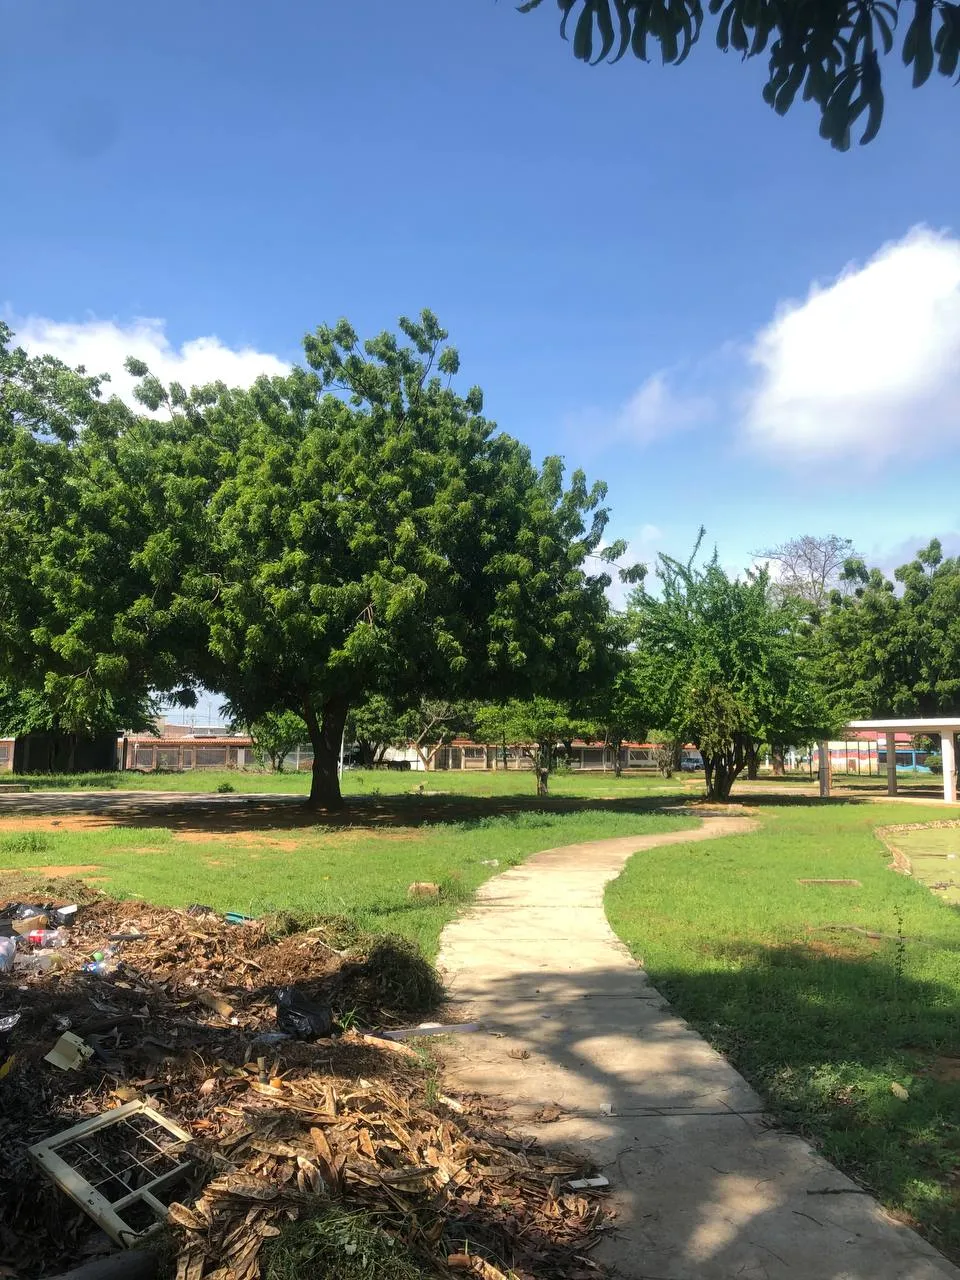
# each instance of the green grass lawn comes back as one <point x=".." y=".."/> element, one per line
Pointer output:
<point x="290" y="861"/>
<point x="830" y="1025"/>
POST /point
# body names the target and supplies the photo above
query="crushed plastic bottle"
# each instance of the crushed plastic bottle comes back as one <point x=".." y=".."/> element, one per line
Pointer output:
<point x="48" y="937"/>
<point x="8" y="949"/>
<point x="38" y="961"/>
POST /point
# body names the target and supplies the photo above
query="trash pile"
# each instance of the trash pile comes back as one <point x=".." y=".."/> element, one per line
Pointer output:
<point x="211" y="1073"/>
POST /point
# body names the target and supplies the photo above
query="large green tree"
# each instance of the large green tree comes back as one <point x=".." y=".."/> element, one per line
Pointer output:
<point x="725" y="665"/>
<point x="827" y="51"/>
<point x="891" y="646"/>
<point x="355" y="527"/>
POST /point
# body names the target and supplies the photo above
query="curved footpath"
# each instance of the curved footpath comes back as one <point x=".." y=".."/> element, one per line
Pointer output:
<point x="585" y="1052"/>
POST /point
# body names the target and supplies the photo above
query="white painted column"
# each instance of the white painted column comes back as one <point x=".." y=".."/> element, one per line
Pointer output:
<point x="892" y="763"/>
<point x="949" y="756"/>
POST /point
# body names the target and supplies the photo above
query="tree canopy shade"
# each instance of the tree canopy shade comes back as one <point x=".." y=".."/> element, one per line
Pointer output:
<point x="352" y="528"/>
<point x="892" y="647"/>
<point x="725" y="666"/>
<point x="829" y="51"/>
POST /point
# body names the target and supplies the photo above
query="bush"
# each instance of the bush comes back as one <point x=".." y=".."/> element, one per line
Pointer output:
<point x="224" y="788"/>
<point x="934" y="762"/>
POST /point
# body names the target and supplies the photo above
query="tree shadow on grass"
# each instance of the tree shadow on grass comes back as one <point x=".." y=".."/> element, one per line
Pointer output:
<point x="239" y="814"/>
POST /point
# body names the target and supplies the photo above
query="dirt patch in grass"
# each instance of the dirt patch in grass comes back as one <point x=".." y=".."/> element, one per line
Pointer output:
<point x="249" y="838"/>
<point x="944" y="1067"/>
<point x="67" y="822"/>
<point x="835" y="950"/>
<point x="58" y="872"/>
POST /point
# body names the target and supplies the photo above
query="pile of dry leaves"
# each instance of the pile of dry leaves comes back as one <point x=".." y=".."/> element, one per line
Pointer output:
<point x="184" y="1016"/>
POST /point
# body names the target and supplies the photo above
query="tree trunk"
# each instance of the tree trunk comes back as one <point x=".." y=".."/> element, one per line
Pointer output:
<point x="778" y="753"/>
<point x="326" y="735"/>
<point x="367" y="752"/>
<point x="723" y="769"/>
<point x="753" y="760"/>
<point x="543" y="781"/>
<point x="720" y="776"/>
<point x="617" y="765"/>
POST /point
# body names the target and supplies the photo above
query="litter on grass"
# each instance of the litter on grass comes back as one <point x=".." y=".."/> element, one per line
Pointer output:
<point x="179" y="1019"/>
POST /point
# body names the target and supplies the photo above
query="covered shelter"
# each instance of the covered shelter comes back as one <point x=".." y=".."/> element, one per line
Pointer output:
<point x="946" y="726"/>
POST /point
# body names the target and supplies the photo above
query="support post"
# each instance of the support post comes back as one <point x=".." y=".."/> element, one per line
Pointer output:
<point x="892" y="763"/>
<point x="949" y="756"/>
<point x="823" y="769"/>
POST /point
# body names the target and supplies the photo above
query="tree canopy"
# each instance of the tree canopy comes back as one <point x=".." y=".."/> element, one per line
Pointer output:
<point x="724" y="665"/>
<point x="830" y="53"/>
<point x="891" y="647"/>
<point x="352" y="528"/>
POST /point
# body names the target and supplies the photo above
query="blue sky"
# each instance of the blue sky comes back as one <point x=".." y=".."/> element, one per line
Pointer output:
<point x="623" y="255"/>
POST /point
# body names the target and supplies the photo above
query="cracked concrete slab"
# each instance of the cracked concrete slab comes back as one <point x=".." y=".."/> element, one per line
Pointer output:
<point x="704" y="1186"/>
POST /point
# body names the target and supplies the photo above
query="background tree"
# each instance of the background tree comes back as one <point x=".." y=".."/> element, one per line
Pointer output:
<point x="375" y="725"/>
<point x="30" y="710"/>
<point x="534" y="725"/>
<point x="434" y="721"/>
<point x="892" y="647"/>
<point x="619" y="710"/>
<point x="274" y="735"/>
<point x="830" y="52"/>
<point x="725" y="666"/>
<point x="810" y="568"/>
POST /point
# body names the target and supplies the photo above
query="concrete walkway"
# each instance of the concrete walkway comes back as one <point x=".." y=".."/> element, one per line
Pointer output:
<point x="706" y="1188"/>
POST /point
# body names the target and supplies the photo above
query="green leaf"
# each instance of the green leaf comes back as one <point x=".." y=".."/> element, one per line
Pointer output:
<point x="583" y="34"/>
<point x="605" y="25"/>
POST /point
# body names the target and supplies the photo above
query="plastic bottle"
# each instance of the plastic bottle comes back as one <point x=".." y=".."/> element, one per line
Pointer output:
<point x="38" y="961"/>
<point x="48" y="937"/>
<point x="8" y="949"/>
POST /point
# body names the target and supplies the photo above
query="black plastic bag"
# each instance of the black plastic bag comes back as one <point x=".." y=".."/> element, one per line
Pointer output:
<point x="301" y="1018"/>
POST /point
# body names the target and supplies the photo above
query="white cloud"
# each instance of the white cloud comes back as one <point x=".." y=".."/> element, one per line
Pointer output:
<point x="101" y="346"/>
<point x="653" y="412"/>
<point x="868" y="366"/>
<point x="656" y="410"/>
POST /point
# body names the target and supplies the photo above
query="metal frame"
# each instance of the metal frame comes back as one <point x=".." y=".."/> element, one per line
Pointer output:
<point x="107" y="1213"/>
